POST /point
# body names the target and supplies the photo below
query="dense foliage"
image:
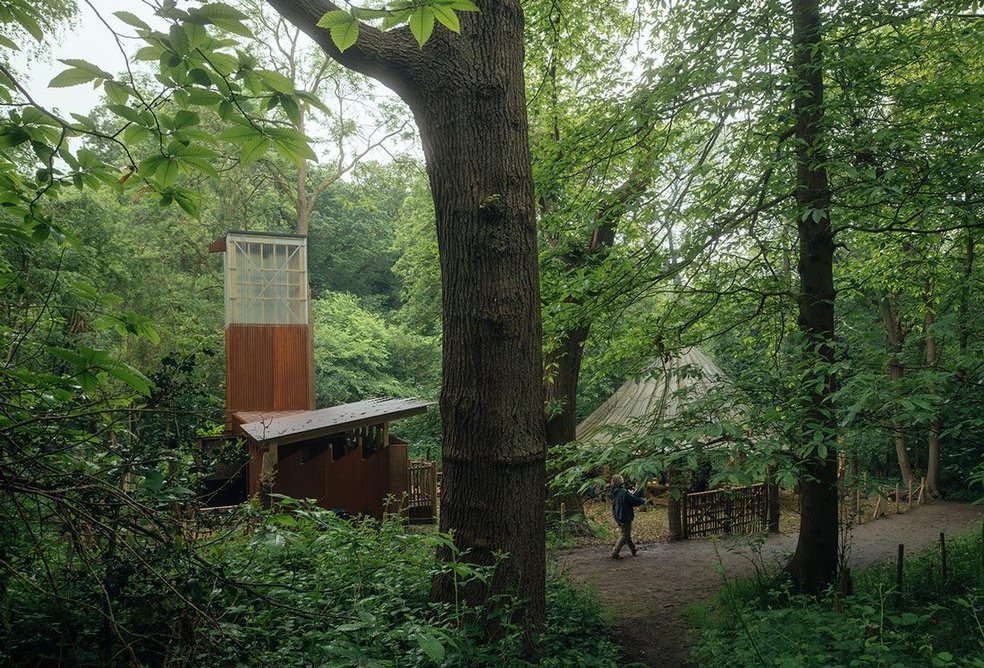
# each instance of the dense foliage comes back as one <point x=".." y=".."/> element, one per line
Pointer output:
<point x="928" y="622"/>
<point x="664" y="166"/>
<point x="296" y="588"/>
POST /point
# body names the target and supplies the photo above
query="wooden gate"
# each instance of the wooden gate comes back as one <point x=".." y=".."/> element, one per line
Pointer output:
<point x="725" y="511"/>
<point x="421" y="501"/>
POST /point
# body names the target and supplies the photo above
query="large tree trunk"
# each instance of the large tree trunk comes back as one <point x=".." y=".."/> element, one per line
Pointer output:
<point x="467" y="95"/>
<point x="895" y="336"/>
<point x="814" y="564"/>
<point x="933" y="439"/>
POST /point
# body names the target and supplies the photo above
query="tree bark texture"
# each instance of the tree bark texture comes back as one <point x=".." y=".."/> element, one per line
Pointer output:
<point x="467" y="96"/>
<point x="933" y="438"/>
<point x="895" y="336"/>
<point x="813" y="566"/>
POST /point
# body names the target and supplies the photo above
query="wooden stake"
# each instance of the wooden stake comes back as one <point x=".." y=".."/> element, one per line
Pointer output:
<point x="563" y="521"/>
<point x="897" y="498"/>
<point x="922" y="491"/>
<point x="877" y="512"/>
<point x="909" y="498"/>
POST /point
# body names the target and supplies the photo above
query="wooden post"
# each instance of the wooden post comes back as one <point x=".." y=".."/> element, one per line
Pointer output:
<point x="898" y="571"/>
<point x="433" y="490"/>
<point x="684" y="529"/>
<point x="268" y="473"/>
<point x="909" y="498"/>
<point x="922" y="491"/>
<point x="877" y="512"/>
<point x="898" y="498"/>
<point x="943" y="557"/>
<point x="772" y="498"/>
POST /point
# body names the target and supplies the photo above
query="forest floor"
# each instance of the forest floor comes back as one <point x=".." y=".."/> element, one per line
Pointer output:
<point x="647" y="594"/>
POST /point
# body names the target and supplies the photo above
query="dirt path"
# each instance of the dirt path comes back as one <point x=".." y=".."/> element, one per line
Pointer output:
<point x="648" y="593"/>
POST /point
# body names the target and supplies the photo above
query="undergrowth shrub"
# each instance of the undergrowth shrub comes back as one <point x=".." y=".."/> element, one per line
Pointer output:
<point x="928" y="622"/>
<point x="300" y="587"/>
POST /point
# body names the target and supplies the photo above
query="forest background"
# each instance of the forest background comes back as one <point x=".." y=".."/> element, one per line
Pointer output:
<point x="664" y="167"/>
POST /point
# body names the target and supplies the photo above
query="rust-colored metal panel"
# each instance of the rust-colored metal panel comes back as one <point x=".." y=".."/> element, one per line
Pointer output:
<point x="303" y="478"/>
<point x="266" y="368"/>
<point x="344" y="487"/>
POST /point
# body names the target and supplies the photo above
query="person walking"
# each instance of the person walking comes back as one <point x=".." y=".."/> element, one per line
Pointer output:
<point x="624" y="502"/>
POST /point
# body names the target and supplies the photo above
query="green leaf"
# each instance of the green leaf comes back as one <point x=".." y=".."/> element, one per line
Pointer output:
<point x="116" y="92"/>
<point x="86" y="66"/>
<point x="224" y="16"/>
<point x="277" y="81"/>
<point x="26" y="21"/>
<point x="395" y="18"/>
<point x="73" y="76"/>
<point x="344" y="28"/>
<point x="187" y="200"/>
<point x="130" y="376"/>
<point x="131" y="19"/>
<point x="167" y="172"/>
<point x="254" y="149"/>
<point x="334" y="17"/>
<point x="203" y="96"/>
<point x="432" y="647"/>
<point x="448" y="18"/>
<point x="422" y="24"/>
<point x="462" y="5"/>
<point x="184" y="119"/>
<point x="135" y="134"/>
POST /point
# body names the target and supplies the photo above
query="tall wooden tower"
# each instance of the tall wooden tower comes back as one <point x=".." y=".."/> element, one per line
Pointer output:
<point x="268" y="343"/>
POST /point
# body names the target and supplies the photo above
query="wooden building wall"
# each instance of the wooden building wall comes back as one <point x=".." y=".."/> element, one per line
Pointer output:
<point x="359" y="485"/>
<point x="267" y="369"/>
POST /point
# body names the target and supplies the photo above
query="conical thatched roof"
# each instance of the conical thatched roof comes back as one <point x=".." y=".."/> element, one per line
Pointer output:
<point x="656" y="397"/>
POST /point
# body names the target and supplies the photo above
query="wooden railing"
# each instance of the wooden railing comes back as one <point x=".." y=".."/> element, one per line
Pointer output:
<point x="735" y="510"/>
<point x="421" y="501"/>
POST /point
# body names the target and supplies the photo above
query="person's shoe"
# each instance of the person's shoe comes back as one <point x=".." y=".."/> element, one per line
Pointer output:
<point x="615" y="556"/>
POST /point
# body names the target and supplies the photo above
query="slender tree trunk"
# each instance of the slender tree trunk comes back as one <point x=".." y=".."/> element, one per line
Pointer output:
<point x="301" y="203"/>
<point x="467" y="95"/>
<point x="933" y="439"/>
<point x="895" y="336"/>
<point x="814" y="564"/>
<point x="966" y="276"/>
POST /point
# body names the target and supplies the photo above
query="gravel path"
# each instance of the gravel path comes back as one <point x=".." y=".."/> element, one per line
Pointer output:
<point x="649" y="592"/>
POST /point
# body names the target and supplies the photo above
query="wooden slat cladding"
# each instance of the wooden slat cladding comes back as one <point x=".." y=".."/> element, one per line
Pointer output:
<point x="267" y="369"/>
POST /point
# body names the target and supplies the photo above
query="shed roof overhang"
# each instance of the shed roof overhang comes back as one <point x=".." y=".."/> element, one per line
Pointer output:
<point x="292" y="426"/>
<point x="219" y="244"/>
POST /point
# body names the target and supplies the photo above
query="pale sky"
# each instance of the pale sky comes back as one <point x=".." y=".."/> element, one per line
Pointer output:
<point x="89" y="40"/>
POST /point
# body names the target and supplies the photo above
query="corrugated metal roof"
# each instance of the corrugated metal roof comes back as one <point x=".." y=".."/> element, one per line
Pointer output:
<point x="290" y="426"/>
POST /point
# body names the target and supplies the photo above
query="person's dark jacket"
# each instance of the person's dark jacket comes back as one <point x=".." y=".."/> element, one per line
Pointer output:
<point x="624" y="503"/>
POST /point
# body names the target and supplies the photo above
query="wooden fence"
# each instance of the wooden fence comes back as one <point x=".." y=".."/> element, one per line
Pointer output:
<point x="421" y="503"/>
<point x="725" y="511"/>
